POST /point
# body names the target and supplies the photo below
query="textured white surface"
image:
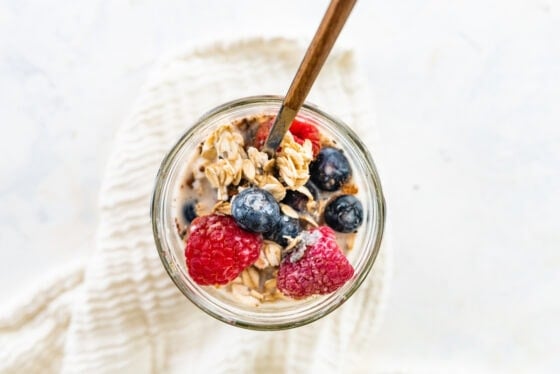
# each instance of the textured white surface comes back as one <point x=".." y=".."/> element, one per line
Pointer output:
<point x="121" y="312"/>
<point x="467" y="100"/>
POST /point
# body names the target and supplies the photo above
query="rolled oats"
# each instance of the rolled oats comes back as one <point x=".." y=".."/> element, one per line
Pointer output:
<point x="247" y="300"/>
<point x="224" y="153"/>
<point x="248" y="280"/>
<point x="258" y="158"/>
<point x="292" y="243"/>
<point x="269" y="183"/>
<point x="223" y="207"/>
<point x="304" y="190"/>
<point x="249" y="170"/>
<point x="350" y="241"/>
<point x="257" y="295"/>
<point x="293" y="161"/>
<point x="309" y="219"/>
<point x="270" y="285"/>
<point x="289" y="211"/>
<point x="240" y="289"/>
<point x="201" y="209"/>
<point x="255" y="277"/>
<point x="273" y="252"/>
<point x="262" y="261"/>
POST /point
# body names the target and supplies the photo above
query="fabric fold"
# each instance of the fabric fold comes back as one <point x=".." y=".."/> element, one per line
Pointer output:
<point x="121" y="312"/>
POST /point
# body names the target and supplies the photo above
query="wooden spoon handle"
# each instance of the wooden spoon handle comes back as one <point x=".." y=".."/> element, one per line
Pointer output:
<point x="334" y="19"/>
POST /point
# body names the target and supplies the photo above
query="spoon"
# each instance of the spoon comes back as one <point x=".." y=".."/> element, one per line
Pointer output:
<point x="336" y="15"/>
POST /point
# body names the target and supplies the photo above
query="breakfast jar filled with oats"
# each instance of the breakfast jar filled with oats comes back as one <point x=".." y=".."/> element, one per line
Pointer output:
<point x="267" y="242"/>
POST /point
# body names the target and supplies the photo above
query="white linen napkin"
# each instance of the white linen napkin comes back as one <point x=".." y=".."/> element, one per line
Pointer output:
<point x="119" y="312"/>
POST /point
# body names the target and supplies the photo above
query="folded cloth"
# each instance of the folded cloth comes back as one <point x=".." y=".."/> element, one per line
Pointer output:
<point x="120" y="312"/>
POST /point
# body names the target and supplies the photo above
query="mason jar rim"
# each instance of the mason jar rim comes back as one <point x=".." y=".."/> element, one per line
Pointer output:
<point x="231" y="316"/>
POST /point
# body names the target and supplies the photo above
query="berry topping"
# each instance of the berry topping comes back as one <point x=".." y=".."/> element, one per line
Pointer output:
<point x="344" y="213"/>
<point x="298" y="200"/>
<point x="330" y="170"/>
<point x="256" y="210"/>
<point x="189" y="210"/>
<point x="300" y="130"/>
<point x="304" y="130"/>
<point x="218" y="250"/>
<point x="287" y="226"/>
<point x="262" y="134"/>
<point x="322" y="269"/>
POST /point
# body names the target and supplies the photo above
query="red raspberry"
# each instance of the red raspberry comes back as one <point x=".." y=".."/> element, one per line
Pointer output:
<point x="322" y="269"/>
<point x="305" y="130"/>
<point x="218" y="250"/>
<point x="300" y="130"/>
<point x="262" y="134"/>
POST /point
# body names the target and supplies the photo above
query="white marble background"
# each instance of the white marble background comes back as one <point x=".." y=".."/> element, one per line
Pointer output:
<point x="467" y="95"/>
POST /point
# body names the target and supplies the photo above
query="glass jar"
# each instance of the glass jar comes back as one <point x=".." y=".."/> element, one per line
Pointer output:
<point x="270" y="315"/>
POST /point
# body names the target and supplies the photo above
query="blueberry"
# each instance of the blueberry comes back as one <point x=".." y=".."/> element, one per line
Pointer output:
<point x="287" y="226"/>
<point x="330" y="170"/>
<point x="255" y="210"/>
<point x="344" y="213"/>
<point x="189" y="210"/>
<point x="297" y="200"/>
